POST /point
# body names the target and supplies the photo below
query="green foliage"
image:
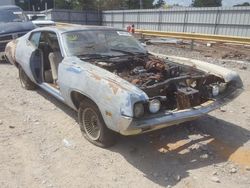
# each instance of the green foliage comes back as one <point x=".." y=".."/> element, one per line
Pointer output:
<point x="63" y="4"/>
<point x="159" y="4"/>
<point x="135" y="4"/>
<point x="243" y="4"/>
<point x="206" y="3"/>
<point x="110" y="4"/>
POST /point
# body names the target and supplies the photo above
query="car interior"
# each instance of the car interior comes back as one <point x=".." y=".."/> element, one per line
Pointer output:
<point x="46" y="58"/>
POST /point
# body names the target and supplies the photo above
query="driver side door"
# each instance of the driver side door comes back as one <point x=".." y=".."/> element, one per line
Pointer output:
<point x="32" y="56"/>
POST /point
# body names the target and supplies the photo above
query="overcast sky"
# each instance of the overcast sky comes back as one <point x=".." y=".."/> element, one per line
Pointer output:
<point x="224" y="2"/>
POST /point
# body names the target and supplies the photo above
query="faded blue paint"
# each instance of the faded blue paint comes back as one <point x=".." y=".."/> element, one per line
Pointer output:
<point x="74" y="69"/>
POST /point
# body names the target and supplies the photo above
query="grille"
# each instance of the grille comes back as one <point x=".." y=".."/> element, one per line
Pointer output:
<point x="4" y="38"/>
<point x="2" y="46"/>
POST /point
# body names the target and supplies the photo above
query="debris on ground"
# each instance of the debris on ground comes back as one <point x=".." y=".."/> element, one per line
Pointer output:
<point x="67" y="143"/>
<point x="233" y="170"/>
<point x="215" y="179"/>
<point x="177" y="177"/>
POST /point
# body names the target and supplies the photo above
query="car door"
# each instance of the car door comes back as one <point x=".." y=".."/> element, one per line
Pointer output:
<point x="33" y="58"/>
<point x="36" y="57"/>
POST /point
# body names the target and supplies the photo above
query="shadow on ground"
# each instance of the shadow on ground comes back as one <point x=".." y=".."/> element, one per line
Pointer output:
<point x="169" y="154"/>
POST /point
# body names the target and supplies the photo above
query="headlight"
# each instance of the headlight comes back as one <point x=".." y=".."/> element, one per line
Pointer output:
<point x="138" y="110"/>
<point x="154" y="106"/>
<point x="215" y="90"/>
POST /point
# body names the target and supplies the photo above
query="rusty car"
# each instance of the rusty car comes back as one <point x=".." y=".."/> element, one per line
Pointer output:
<point x="114" y="83"/>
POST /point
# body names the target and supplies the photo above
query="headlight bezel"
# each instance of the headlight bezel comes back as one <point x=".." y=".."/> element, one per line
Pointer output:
<point x="142" y="108"/>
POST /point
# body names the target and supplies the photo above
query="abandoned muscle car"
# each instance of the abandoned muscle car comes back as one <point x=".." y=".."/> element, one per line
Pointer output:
<point x="114" y="83"/>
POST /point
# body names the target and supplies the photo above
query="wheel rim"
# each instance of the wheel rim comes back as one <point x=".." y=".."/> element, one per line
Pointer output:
<point x="91" y="124"/>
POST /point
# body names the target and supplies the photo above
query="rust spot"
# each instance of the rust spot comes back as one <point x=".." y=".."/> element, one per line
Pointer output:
<point x="10" y="51"/>
<point x="108" y="113"/>
<point x="97" y="77"/>
<point x="113" y="87"/>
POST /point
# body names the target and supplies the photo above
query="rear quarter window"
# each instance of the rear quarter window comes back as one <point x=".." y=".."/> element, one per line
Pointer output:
<point x="35" y="39"/>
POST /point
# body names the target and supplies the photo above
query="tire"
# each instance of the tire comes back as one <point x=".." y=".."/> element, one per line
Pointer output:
<point x="25" y="80"/>
<point x="93" y="126"/>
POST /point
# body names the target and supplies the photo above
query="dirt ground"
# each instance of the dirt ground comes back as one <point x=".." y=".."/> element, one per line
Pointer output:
<point x="41" y="144"/>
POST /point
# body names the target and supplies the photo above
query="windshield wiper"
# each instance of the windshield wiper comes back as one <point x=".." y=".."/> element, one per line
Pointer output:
<point x="93" y="56"/>
<point x="128" y="52"/>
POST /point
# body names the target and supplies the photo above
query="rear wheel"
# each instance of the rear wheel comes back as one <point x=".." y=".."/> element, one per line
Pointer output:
<point x="25" y="80"/>
<point x="93" y="126"/>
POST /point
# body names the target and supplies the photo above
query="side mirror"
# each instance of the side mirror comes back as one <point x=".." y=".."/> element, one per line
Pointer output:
<point x="34" y="17"/>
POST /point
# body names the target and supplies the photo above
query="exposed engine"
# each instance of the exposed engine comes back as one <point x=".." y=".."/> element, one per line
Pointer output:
<point x="178" y="86"/>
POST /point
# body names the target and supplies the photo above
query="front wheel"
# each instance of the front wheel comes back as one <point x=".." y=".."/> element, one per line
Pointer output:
<point x="25" y="80"/>
<point x="93" y="126"/>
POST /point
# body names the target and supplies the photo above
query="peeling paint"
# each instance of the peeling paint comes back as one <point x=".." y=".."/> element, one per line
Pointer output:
<point x="113" y="87"/>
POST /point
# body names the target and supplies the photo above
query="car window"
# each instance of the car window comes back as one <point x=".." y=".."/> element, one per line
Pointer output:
<point x="15" y="15"/>
<point x="100" y="42"/>
<point x="53" y="41"/>
<point x="35" y="39"/>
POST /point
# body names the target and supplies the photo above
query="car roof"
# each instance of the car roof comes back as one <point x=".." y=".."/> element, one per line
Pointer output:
<point x="10" y="7"/>
<point x="66" y="27"/>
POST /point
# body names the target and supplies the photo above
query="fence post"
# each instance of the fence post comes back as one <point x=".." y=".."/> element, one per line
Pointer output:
<point x="217" y="20"/>
<point x="123" y="19"/>
<point x="185" y="21"/>
<point x="138" y="20"/>
<point x="69" y="17"/>
<point x="86" y="17"/>
<point x="100" y="18"/>
<point x="112" y="19"/>
<point x="160" y="20"/>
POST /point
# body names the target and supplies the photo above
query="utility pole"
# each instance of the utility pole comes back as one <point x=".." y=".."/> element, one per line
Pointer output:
<point x="29" y="5"/>
<point x="141" y="4"/>
<point x="54" y="4"/>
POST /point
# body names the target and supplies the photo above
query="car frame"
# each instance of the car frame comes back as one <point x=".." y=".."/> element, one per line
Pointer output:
<point x="105" y="99"/>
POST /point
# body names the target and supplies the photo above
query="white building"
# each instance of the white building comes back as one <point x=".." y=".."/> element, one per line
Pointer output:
<point x="7" y="2"/>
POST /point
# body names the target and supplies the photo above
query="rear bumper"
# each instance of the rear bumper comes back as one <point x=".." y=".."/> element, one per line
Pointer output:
<point x="168" y="118"/>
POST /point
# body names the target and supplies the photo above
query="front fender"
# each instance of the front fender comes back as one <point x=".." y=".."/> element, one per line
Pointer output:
<point x="114" y="96"/>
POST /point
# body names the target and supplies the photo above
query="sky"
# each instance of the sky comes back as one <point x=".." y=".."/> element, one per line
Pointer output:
<point x="224" y="2"/>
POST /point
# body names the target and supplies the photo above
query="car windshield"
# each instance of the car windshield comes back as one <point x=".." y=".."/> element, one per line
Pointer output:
<point x="12" y="16"/>
<point x="101" y="42"/>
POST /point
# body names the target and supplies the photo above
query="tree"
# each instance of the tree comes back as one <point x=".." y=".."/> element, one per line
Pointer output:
<point x="110" y="4"/>
<point x="84" y="4"/>
<point x="206" y="3"/>
<point x="159" y="4"/>
<point x="243" y="4"/>
<point x="135" y="4"/>
<point x="64" y="4"/>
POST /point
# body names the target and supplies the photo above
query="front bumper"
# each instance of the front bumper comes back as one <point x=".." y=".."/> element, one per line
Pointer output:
<point x="168" y="118"/>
